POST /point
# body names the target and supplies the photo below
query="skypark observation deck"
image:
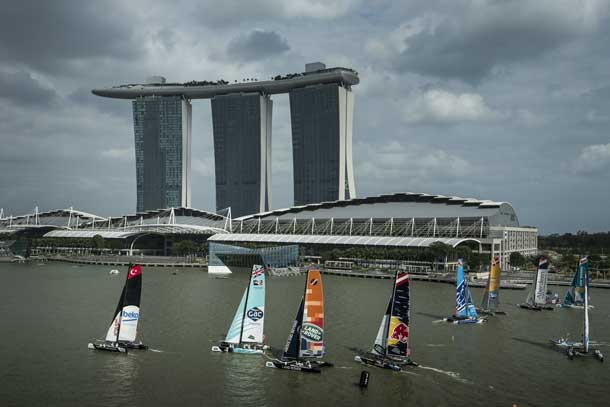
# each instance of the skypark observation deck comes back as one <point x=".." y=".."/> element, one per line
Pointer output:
<point x="344" y="76"/>
<point x="321" y="112"/>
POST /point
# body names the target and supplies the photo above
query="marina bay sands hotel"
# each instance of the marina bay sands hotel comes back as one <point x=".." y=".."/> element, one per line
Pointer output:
<point x="321" y="113"/>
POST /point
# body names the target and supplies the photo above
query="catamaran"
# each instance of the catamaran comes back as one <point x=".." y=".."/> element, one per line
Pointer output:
<point x="581" y="348"/>
<point x="123" y="329"/>
<point x="537" y="298"/>
<point x="305" y="345"/>
<point x="465" y="311"/>
<point x="245" y="334"/>
<point x="575" y="297"/>
<point x="391" y="349"/>
<point x="491" y="296"/>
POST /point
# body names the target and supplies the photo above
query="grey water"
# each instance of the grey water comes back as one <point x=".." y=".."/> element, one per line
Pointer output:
<point x="48" y="314"/>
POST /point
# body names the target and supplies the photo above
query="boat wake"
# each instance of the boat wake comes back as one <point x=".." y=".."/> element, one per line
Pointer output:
<point x="453" y="375"/>
<point x="155" y="350"/>
<point x="438" y="321"/>
<point x="435" y="345"/>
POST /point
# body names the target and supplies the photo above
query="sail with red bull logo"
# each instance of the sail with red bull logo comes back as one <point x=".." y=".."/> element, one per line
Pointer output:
<point x="392" y="349"/>
<point x="123" y="329"/>
<point x="398" y="327"/>
<point x="491" y="296"/>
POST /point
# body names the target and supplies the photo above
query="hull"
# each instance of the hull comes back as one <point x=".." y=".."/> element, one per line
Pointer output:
<point x="491" y="312"/>
<point x="536" y="307"/>
<point x="384" y="363"/>
<point x="575" y="306"/>
<point x="134" y="345"/>
<point x="575" y="349"/>
<point x="296" y="365"/>
<point x="254" y="349"/>
<point x="460" y="321"/>
<point x="107" y="346"/>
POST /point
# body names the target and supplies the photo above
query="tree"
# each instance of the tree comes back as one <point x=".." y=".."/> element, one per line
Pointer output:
<point x="98" y="242"/>
<point x="184" y="248"/>
<point x="517" y="260"/>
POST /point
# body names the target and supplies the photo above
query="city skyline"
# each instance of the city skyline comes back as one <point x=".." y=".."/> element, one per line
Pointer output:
<point x="493" y="99"/>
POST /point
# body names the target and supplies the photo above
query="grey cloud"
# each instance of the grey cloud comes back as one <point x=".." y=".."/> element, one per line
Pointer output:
<point x="22" y="89"/>
<point x="83" y="97"/>
<point x="46" y="35"/>
<point x="257" y="44"/>
<point x="488" y="36"/>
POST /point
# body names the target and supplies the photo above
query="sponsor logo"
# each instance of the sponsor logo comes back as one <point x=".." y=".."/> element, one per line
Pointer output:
<point x="259" y="270"/>
<point x="312" y="332"/>
<point x="130" y="315"/>
<point x="460" y="297"/>
<point x="134" y="271"/>
<point x="313" y="281"/>
<point x="400" y="333"/>
<point x="254" y="314"/>
<point x="257" y="283"/>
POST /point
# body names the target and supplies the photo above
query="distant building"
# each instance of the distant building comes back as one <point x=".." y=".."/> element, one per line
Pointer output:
<point x="321" y="108"/>
<point x="242" y="152"/>
<point x="321" y="118"/>
<point x="162" y="129"/>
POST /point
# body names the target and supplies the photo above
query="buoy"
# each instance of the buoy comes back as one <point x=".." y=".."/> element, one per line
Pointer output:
<point x="364" y="379"/>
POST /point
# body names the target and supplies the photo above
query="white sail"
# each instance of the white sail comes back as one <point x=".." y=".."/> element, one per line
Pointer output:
<point x="128" y="324"/>
<point x="380" y="339"/>
<point x="254" y="320"/>
<point x="541" y="286"/>
<point x="235" y="329"/>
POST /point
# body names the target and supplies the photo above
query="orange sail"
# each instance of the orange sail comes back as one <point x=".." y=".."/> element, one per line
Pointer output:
<point x="312" y="330"/>
<point x="491" y="296"/>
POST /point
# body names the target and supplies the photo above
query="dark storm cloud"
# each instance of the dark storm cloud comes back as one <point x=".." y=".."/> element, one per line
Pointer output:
<point x="20" y="88"/>
<point x="256" y="45"/>
<point x="45" y="35"/>
<point x="501" y="33"/>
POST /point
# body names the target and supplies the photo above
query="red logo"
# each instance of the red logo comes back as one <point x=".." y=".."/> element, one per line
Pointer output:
<point x="134" y="271"/>
<point x="400" y="333"/>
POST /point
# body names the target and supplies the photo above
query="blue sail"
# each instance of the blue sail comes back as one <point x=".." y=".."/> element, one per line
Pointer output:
<point x="461" y="296"/>
<point x="471" y="310"/>
<point x="576" y="293"/>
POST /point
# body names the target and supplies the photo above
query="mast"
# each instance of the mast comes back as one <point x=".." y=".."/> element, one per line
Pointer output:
<point x="301" y="321"/>
<point x="387" y="324"/>
<point x="118" y="331"/>
<point x="531" y="298"/>
<point x="243" y="316"/>
<point x="585" y="336"/>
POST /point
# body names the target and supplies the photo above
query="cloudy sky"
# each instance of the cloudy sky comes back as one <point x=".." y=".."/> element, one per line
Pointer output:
<point x="506" y="100"/>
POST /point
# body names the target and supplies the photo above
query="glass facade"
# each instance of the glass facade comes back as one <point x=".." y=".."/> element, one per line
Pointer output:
<point x="242" y="152"/>
<point x="229" y="255"/>
<point x="162" y="129"/>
